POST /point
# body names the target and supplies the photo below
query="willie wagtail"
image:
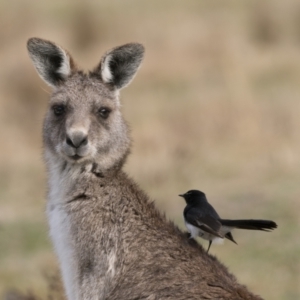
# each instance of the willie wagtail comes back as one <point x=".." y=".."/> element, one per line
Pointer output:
<point x="202" y="220"/>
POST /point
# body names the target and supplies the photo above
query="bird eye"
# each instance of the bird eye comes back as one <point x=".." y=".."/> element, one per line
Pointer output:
<point x="59" y="109"/>
<point x="104" y="112"/>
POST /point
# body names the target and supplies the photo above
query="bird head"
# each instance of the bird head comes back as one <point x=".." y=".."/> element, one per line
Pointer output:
<point x="193" y="197"/>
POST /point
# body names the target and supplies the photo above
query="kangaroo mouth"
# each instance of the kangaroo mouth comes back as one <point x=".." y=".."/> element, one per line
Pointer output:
<point x="76" y="157"/>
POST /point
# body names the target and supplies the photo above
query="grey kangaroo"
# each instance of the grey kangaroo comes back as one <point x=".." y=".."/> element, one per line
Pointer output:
<point x="111" y="241"/>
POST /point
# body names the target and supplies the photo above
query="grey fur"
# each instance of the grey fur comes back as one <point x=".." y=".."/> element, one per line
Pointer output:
<point x="48" y="59"/>
<point x="123" y="63"/>
<point x="111" y="241"/>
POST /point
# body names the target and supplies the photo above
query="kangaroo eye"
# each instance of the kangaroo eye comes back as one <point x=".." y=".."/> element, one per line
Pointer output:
<point x="59" y="110"/>
<point x="104" y="112"/>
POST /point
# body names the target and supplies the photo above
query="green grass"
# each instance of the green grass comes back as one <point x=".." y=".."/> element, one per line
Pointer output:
<point x="23" y="238"/>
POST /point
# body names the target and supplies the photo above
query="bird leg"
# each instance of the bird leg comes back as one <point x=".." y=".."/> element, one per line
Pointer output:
<point x="209" y="246"/>
<point x="190" y="237"/>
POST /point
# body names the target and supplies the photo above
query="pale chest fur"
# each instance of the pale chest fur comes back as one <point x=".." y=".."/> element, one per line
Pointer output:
<point x="63" y="185"/>
<point x="60" y="231"/>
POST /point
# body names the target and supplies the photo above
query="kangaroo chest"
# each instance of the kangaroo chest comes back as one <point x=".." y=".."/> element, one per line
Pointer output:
<point x="60" y="233"/>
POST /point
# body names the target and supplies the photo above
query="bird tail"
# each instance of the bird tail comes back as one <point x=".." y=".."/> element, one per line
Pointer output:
<point x="264" y="225"/>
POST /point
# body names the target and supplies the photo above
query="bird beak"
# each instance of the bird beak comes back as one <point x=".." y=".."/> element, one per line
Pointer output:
<point x="182" y="195"/>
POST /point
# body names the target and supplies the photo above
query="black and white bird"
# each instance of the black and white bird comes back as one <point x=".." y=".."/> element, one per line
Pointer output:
<point x="202" y="220"/>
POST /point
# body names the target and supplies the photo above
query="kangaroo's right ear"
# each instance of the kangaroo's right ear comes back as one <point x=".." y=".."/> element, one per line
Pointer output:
<point x="52" y="63"/>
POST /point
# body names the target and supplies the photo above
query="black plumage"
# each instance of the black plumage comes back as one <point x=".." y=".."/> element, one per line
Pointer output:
<point x="202" y="220"/>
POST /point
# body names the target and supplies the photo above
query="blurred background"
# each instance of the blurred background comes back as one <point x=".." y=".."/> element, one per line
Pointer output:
<point x="215" y="107"/>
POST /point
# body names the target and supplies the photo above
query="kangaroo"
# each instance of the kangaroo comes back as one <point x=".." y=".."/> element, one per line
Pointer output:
<point x="111" y="241"/>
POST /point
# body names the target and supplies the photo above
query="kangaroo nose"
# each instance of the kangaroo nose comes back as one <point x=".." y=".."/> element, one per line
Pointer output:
<point x="77" y="139"/>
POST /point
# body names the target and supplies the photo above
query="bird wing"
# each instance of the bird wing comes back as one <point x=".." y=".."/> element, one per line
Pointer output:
<point x="205" y="222"/>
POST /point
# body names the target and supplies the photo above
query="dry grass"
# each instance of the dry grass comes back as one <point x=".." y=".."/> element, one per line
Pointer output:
<point x="215" y="107"/>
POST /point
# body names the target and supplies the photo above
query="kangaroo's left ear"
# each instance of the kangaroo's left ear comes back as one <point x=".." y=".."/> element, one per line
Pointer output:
<point x="52" y="63"/>
<point x="119" y="66"/>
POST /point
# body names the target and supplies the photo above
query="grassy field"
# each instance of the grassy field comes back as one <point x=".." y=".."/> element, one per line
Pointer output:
<point x="215" y="107"/>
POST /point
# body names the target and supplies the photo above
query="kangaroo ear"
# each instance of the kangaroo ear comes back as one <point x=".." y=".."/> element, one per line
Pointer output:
<point x="119" y="65"/>
<point x="52" y="63"/>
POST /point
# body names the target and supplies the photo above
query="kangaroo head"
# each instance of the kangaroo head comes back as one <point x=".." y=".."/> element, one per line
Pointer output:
<point x="84" y="122"/>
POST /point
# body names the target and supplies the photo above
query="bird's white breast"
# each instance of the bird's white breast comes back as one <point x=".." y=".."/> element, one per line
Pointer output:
<point x="195" y="232"/>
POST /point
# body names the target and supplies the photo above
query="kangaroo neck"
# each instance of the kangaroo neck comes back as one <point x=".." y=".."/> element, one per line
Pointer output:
<point x="64" y="176"/>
